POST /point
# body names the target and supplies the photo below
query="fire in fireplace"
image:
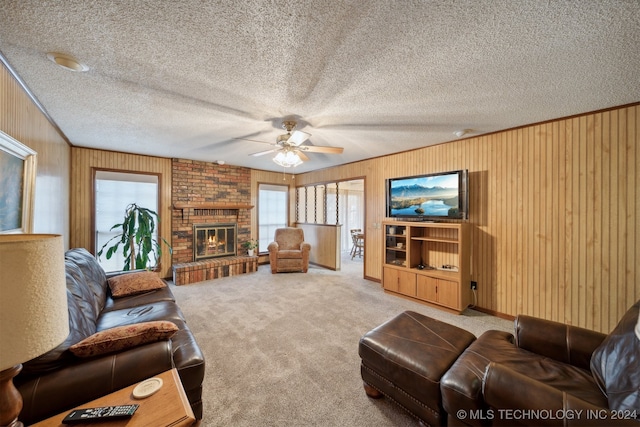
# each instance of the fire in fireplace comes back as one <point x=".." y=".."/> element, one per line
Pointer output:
<point x="214" y="240"/>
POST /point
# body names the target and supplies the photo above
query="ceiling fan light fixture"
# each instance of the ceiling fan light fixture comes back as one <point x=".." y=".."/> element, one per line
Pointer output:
<point x="290" y="149"/>
<point x="287" y="159"/>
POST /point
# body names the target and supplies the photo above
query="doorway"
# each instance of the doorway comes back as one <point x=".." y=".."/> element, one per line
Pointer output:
<point x="352" y="211"/>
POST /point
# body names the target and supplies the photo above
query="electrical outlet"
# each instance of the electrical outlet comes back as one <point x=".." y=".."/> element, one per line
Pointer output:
<point x="474" y="285"/>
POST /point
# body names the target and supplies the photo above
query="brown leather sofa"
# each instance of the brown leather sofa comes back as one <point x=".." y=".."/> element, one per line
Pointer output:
<point x="59" y="380"/>
<point x="289" y="252"/>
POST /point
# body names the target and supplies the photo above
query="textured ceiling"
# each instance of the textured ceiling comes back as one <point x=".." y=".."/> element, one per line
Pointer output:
<point x="184" y="78"/>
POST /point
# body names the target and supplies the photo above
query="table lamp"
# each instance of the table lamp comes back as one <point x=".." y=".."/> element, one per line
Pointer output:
<point x="33" y="309"/>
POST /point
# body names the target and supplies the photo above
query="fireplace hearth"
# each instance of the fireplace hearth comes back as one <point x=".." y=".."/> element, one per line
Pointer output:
<point x="214" y="240"/>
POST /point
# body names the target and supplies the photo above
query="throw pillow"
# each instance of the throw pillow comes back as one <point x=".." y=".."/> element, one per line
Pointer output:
<point x="127" y="284"/>
<point x="614" y="364"/>
<point x="123" y="337"/>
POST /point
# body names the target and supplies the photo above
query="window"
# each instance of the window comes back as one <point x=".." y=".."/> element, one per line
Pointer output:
<point x="114" y="191"/>
<point x="272" y="212"/>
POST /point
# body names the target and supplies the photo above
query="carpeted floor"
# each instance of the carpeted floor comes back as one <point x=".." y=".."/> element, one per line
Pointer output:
<point x="282" y="350"/>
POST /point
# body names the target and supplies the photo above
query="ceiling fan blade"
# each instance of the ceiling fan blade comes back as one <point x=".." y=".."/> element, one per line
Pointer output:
<point x="321" y="149"/>
<point x="262" y="153"/>
<point x="298" y="137"/>
<point x="303" y="156"/>
<point x="254" y="140"/>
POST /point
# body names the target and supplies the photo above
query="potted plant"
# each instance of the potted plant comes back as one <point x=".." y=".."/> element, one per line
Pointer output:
<point x="136" y="239"/>
<point x="250" y="245"/>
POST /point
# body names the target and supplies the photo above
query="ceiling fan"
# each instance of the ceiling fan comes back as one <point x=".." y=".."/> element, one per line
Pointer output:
<point x="289" y="146"/>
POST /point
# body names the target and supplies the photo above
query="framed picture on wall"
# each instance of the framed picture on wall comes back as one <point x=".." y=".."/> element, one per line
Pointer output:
<point x="17" y="185"/>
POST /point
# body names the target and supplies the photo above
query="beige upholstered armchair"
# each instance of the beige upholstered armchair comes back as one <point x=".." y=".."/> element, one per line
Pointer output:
<point x="289" y="252"/>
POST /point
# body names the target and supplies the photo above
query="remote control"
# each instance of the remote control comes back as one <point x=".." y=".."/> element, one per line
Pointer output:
<point x="100" y="414"/>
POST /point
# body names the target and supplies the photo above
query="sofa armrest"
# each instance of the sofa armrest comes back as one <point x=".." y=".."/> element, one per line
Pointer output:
<point x="564" y="343"/>
<point x="516" y="399"/>
<point x="65" y="388"/>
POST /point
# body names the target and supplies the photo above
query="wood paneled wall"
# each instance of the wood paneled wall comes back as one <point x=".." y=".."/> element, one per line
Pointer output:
<point x="553" y="209"/>
<point x="83" y="161"/>
<point x="21" y="118"/>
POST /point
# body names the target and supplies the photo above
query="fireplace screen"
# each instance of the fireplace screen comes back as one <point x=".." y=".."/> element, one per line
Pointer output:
<point x="214" y="240"/>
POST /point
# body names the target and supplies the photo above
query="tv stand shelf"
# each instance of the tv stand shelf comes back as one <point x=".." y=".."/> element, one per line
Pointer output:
<point x="415" y="254"/>
<point x="433" y="239"/>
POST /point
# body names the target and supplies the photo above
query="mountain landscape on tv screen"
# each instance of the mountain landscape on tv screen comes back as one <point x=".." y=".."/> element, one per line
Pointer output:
<point x="419" y="200"/>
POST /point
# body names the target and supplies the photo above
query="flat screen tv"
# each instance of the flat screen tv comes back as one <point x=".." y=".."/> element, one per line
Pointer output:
<point x="435" y="196"/>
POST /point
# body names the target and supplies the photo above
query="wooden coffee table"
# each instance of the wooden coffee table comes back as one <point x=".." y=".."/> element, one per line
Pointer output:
<point x="169" y="406"/>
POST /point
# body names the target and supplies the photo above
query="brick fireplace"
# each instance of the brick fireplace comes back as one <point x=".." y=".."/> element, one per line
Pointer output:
<point x="208" y="193"/>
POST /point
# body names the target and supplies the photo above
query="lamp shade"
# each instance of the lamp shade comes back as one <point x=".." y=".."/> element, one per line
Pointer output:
<point x="34" y="317"/>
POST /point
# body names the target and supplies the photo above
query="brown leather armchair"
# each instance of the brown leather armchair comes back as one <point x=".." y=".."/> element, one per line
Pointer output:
<point x="547" y="373"/>
<point x="289" y="252"/>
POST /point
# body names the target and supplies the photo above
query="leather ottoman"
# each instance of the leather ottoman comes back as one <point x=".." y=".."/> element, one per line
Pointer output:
<point x="404" y="359"/>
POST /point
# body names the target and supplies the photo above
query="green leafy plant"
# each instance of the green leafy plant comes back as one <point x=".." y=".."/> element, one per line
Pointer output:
<point x="250" y="244"/>
<point x="136" y="239"/>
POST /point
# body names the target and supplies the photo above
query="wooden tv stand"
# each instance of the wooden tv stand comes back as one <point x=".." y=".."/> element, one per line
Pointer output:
<point x="416" y="257"/>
